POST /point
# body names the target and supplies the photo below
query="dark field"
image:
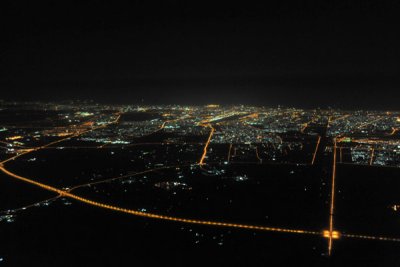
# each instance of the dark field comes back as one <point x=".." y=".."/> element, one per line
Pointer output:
<point x="68" y="233"/>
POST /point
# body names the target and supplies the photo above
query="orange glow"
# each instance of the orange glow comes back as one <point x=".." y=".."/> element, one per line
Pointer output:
<point x="201" y="162"/>
<point x="327" y="234"/>
<point x="153" y="215"/>
<point x="330" y="120"/>
<point x="251" y="116"/>
<point x="305" y="125"/>
<point x="316" y="150"/>
<point x="212" y="106"/>
<point x="12" y="138"/>
<point x="62" y="134"/>
<point x="332" y="208"/>
<point x="17" y="144"/>
<point x="330" y="234"/>
<point x="88" y="124"/>
<point x="333" y="235"/>
<point x="76" y="134"/>
<point x="372" y="156"/>
<point x="369" y="123"/>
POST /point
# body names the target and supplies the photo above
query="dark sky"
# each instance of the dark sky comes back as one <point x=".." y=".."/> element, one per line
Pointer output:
<point x="308" y="54"/>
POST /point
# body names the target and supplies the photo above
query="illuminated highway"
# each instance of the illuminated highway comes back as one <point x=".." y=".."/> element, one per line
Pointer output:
<point x="125" y="176"/>
<point x="331" y="233"/>
<point x="305" y="125"/>
<point x="78" y="133"/>
<point x="332" y="205"/>
<point x="39" y="203"/>
<point x="316" y="150"/>
<point x="65" y="193"/>
<point x="338" y="119"/>
<point x="372" y="156"/>
<point x="369" y="123"/>
<point x="203" y="156"/>
<point x="394" y="131"/>
<point x="11" y="144"/>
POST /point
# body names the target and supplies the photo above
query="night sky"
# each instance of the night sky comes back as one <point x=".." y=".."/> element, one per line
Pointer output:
<point x="308" y="54"/>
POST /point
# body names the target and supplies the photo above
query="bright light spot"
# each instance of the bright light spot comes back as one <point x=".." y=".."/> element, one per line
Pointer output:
<point x="335" y="234"/>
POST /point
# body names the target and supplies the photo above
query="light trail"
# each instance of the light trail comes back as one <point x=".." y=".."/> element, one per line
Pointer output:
<point x="78" y="133"/>
<point x="203" y="156"/>
<point x="331" y="234"/>
<point x="394" y="131"/>
<point x="12" y="144"/>
<point x="25" y="151"/>
<point x="124" y="176"/>
<point x="109" y="146"/>
<point x="37" y="148"/>
<point x="367" y="164"/>
<point x="368" y="237"/>
<point x="305" y="125"/>
<point x="361" y="148"/>
<point x="30" y="205"/>
<point x="316" y="150"/>
<point x="369" y="123"/>
<point x="250" y="116"/>
<point x="332" y="206"/>
<point x="64" y="193"/>
<point x="102" y="146"/>
<point x="268" y="163"/>
<point x="162" y="126"/>
<point x="337" y="119"/>
<point x="372" y="156"/>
